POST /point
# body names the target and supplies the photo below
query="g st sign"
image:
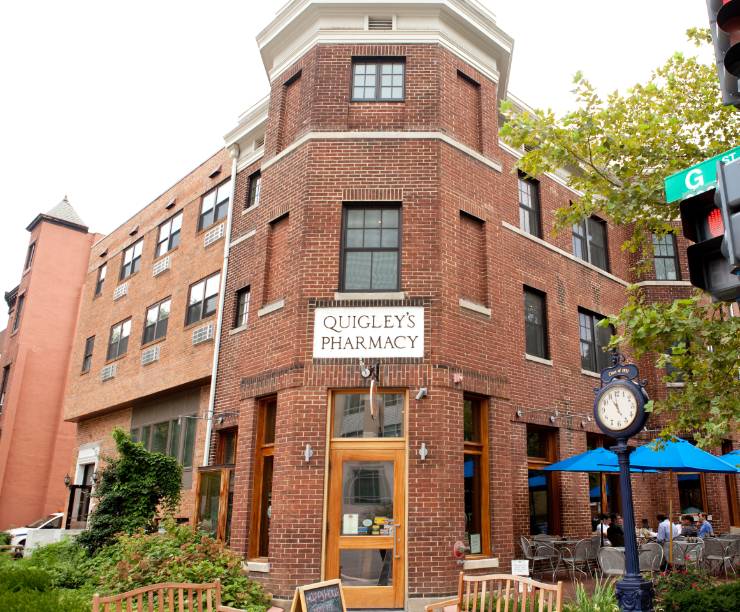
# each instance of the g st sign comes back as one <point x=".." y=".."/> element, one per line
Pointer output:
<point x="396" y="331"/>
<point x="698" y="178"/>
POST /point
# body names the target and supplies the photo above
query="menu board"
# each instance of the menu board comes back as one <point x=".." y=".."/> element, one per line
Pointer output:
<point x="324" y="596"/>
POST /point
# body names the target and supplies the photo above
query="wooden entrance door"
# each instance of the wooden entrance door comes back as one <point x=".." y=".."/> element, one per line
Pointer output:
<point x="366" y="528"/>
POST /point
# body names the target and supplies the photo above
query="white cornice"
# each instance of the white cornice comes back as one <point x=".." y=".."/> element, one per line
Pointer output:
<point x="251" y="120"/>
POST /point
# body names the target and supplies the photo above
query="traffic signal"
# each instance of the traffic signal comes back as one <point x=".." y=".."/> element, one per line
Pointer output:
<point x="724" y="24"/>
<point x="709" y="268"/>
<point x="728" y="201"/>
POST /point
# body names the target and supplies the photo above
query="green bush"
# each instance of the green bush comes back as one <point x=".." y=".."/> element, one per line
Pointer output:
<point x="723" y="598"/>
<point x="66" y="562"/>
<point x="604" y="598"/>
<point x="679" y="580"/>
<point x="178" y="555"/>
<point x="5" y="538"/>
<point x="46" y="601"/>
<point x="17" y="577"/>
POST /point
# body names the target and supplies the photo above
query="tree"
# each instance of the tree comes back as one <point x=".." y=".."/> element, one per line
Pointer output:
<point x="616" y="152"/>
<point x="132" y="488"/>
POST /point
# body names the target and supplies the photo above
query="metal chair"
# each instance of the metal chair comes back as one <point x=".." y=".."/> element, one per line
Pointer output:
<point x="651" y="557"/>
<point x="611" y="561"/>
<point x="544" y="537"/>
<point x="532" y="552"/>
<point x="576" y="557"/>
<point x="718" y="552"/>
<point x="593" y="553"/>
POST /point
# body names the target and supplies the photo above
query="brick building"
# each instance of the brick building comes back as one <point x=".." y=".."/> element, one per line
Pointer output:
<point x="35" y="442"/>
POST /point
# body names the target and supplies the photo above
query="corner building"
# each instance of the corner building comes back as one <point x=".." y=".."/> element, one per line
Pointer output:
<point x="404" y="343"/>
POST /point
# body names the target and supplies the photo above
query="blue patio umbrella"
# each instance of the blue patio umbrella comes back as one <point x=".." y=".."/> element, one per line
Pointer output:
<point x="679" y="456"/>
<point x="595" y="460"/>
<point x="733" y="458"/>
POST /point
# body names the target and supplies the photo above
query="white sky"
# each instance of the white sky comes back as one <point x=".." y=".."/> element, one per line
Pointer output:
<point x="111" y="103"/>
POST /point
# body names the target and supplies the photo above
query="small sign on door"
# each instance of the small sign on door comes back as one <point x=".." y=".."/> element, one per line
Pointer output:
<point x="520" y="567"/>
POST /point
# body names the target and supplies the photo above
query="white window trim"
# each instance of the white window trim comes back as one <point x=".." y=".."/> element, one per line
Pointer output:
<point x="543" y="361"/>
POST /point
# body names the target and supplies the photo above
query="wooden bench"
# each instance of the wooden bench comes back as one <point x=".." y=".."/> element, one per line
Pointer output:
<point x="165" y="597"/>
<point x="13" y="549"/>
<point x="502" y="593"/>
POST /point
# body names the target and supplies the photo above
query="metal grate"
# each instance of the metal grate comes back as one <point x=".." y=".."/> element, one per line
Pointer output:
<point x="214" y="234"/>
<point x="160" y="266"/>
<point x="120" y="291"/>
<point x="259" y="143"/>
<point x="108" y="372"/>
<point x="150" y="355"/>
<point x="203" y="334"/>
<point x="380" y="23"/>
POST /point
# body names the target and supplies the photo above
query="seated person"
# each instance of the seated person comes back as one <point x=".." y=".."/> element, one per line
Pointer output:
<point x="688" y="528"/>
<point x="615" y="533"/>
<point x="705" y="527"/>
<point x="602" y="528"/>
<point x="664" y="528"/>
<point x="644" y="531"/>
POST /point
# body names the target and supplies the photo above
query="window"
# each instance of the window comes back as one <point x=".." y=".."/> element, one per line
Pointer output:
<point x="211" y="497"/>
<point x="101" y="279"/>
<point x="353" y="417"/>
<point x="535" y="323"/>
<point x="544" y="500"/>
<point x="169" y="234"/>
<point x="242" y="307"/>
<point x="202" y="298"/>
<point x="593" y="341"/>
<point x="215" y="205"/>
<point x="132" y="259"/>
<point x="375" y="80"/>
<point x="226" y="449"/>
<point x="87" y="357"/>
<point x="604" y="492"/>
<point x="29" y="255"/>
<point x="589" y="242"/>
<point x="253" y="189"/>
<point x="118" y="341"/>
<point x="475" y="471"/>
<point x="665" y="257"/>
<point x="155" y="324"/>
<point x="18" y="311"/>
<point x="259" y="532"/>
<point x="370" y="255"/>
<point x="4" y="385"/>
<point x="529" y="205"/>
<point x="175" y="437"/>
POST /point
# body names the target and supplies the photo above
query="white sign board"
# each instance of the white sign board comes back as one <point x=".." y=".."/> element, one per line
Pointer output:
<point x="520" y="567"/>
<point x="383" y="331"/>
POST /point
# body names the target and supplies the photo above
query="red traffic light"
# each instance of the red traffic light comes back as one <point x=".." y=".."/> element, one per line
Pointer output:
<point x="714" y="223"/>
<point x="728" y="20"/>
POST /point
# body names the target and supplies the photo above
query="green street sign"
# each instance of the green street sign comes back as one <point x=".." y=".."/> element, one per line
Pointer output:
<point x="698" y="178"/>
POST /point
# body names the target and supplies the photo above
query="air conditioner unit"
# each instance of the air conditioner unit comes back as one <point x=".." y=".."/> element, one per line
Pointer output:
<point x="203" y="334"/>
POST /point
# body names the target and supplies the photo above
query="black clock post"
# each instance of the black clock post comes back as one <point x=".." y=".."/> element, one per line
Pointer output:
<point x="633" y="592"/>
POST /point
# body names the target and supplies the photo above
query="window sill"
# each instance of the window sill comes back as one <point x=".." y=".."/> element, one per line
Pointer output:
<point x="343" y="296"/>
<point x="480" y="563"/>
<point x="163" y="255"/>
<point x="125" y="279"/>
<point x="153" y="342"/>
<point x="198" y="322"/>
<point x="675" y="385"/>
<point x="203" y="230"/>
<point x="109" y="361"/>
<point x="250" y="209"/>
<point x="238" y="330"/>
<point x="257" y="565"/>
<point x="272" y="307"/>
<point x="590" y="373"/>
<point x="543" y="361"/>
<point x="479" y="308"/>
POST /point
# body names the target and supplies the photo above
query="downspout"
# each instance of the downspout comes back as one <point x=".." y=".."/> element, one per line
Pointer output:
<point x="234" y="153"/>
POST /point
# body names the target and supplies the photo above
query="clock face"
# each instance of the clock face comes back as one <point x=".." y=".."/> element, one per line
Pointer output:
<point x="617" y="408"/>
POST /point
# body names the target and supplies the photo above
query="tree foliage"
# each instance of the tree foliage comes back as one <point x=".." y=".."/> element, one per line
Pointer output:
<point x="132" y="488"/>
<point x="616" y="152"/>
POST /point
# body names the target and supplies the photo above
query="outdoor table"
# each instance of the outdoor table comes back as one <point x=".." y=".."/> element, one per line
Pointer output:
<point x="690" y="551"/>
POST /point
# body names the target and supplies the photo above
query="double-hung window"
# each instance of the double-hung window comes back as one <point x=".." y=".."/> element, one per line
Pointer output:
<point x="118" y="341"/>
<point x="371" y="248"/>
<point x="18" y="311"/>
<point x="202" y="298"/>
<point x="87" y="357"/>
<point x="4" y="385"/>
<point x="242" y="307"/>
<point x="535" y="323"/>
<point x="132" y="259"/>
<point x="155" y="324"/>
<point x="665" y="257"/>
<point x="593" y="341"/>
<point x="215" y="205"/>
<point x="529" y="206"/>
<point x="169" y="234"/>
<point x="253" y="189"/>
<point x="101" y="279"/>
<point x="29" y="255"/>
<point x="589" y="242"/>
<point x="378" y="80"/>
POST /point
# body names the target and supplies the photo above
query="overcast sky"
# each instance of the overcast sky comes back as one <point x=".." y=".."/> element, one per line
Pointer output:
<point x="110" y="102"/>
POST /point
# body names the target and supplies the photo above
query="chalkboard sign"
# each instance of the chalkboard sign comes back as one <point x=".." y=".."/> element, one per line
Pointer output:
<point x="324" y="596"/>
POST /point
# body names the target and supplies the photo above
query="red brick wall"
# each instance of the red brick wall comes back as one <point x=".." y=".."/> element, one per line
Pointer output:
<point x="472" y="260"/>
<point x="466" y="121"/>
<point x="278" y="253"/>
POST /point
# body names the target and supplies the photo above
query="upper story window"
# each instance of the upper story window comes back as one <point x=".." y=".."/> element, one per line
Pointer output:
<point x="215" y="205"/>
<point x="155" y="324"/>
<point x="118" y="341"/>
<point x="253" y="189"/>
<point x="665" y="257"/>
<point x="101" y="279"/>
<point x="132" y="259"/>
<point x="242" y="307"/>
<point x="529" y="206"/>
<point x="4" y="384"/>
<point x="535" y="323"/>
<point x="29" y="255"/>
<point x="371" y="248"/>
<point x="593" y="341"/>
<point x="169" y="234"/>
<point x="202" y="298"/>
<point x="87" y="357"/>
<point x="374" y="79"/>
<point x="18" y="311"/>
<point x="589" y="242"/>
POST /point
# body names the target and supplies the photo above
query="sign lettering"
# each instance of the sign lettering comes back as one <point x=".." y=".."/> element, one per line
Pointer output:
<point x="697" y="178"/>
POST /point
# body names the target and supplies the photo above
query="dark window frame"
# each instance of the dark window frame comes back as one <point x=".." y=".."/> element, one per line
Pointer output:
<point x="29" y="256"/>
<point x="132" y="267"/>
<point x="543" y="327"/>
<point x="179" y="427"/>
<point x="88" y="354"/>
<point x="659" y="257"/>
<point x="173" y="238"/>
<point x="203" y="301"/>
<point x="218" y="206"/>
<point x="254" y="187"/>
<point x="118" y="352"/>
<point x="241" y="312"/>
<point x="476" y="448"/>
<point x="160" y="325"/>
<point x="378" y="62"/>
<point x="100" y="280"/>
<point x="599" y="357"/>
<point x="19" y="303"/>
<point x="259" y="533"/>
<point x="552" y="479"/>
<point x="4" y="384"/>
<point x="344" y="249"/>
<point x="584" y="237"/>
<point x="533" y="208"/>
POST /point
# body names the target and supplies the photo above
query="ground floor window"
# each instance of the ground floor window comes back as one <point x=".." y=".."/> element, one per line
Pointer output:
<point x="603" y="489"/>
<point x="259" y="529"/>
<point x="214" y="494"/>
<point x="544" y="491"/>
<point x="691" y="493"/>
<point x="475" y="470"/>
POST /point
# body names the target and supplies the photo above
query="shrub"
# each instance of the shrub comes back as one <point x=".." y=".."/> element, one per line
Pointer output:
<point x="723" y="598"/>
<point x="678" y="580"/>
<point x="19" y="577"/>
<point x="5" y="538"/>
<point x="177" y="555"/>
<point x="46" y="601"/>
<point x="604" y="598"/>
<point x="66" y="562"/>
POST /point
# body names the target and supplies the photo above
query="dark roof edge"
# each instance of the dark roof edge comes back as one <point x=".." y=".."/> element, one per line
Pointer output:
<point x="44" y="217"/>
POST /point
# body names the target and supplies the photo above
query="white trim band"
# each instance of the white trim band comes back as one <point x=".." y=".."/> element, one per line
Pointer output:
<point x="479" y="308"/>
<point x="243" y="237"/>
<point x="272" y="307"/>
<point x="547" y="362"/>
<point x="365" y="297"/>
<point x="657" y="283"/>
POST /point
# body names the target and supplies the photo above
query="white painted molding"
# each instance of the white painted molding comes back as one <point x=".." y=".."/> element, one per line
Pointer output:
<point x="387" y="295"/>
<point x="474" y="564"/>
<point x="590" y="373"/>
<point x="495" y="165"/>
<point x="272" y="307"/>
<point x="560" y="251"/>
<point x="657" y="283"/>
<point x="257" y="566"/>
<point x="479" y="308"/>
<point x="547" y="362"/>
<point x="243" y="237"/>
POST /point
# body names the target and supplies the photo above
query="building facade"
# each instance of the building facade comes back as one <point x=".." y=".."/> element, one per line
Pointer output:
<point x="35" y="442"/>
